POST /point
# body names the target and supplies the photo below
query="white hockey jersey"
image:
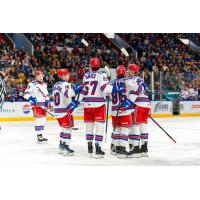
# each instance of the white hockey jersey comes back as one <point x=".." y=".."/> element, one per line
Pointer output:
<point x="193" y="92"/>
<point x="94" y="84"/>
<point x="116" y="98"/>
<point x="185" y="94"/>
<point x="138" y="92"/>
<point x="37" y="90"/>
<point x="62" y="93"/>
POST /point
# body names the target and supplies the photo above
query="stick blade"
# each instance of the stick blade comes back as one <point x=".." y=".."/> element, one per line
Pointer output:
<point x="85" y="42"/>
<point x="124" y="52"/>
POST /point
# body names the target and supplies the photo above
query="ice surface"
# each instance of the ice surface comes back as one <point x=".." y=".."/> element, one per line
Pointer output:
<point x="18" y="145"/>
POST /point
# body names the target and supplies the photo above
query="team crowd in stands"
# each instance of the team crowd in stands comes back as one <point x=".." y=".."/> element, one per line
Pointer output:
<point x="174" y="68"/>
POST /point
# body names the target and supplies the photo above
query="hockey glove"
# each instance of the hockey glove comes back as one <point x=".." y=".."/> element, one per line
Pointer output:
<point x="77" y="88"/>
<point x="127" y="105"/>
<point x="74" y="104"/>
<point x="47" y="104"/>
<point x="33" y="100"/>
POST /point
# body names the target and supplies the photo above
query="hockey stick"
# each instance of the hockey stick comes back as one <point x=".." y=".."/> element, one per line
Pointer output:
<point x="106" y="133"/>
<point x="162" y="129"/>
<point x="46" y="111"/>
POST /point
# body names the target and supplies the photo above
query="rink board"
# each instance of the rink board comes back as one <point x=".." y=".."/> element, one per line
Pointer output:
<point x="21" y="111"/>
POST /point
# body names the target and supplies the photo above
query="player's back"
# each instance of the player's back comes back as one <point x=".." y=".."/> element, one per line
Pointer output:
<point x="116" y="98"/>
<point x="137" y="87"/>
<point x="94" y="84"/>
<point x="62" y="93"/>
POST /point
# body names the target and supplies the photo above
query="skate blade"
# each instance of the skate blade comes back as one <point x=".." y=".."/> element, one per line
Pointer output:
<point x="90" y="155"/>
<point x="113" y="153"/>
<point x="136" y="155"/>
<point x="68" y="154"/>
<point x="98" y="156"/>
<point x="144" y="154"/>
<point x="60" y="152"/>
<point x="122" y="156"/>
<point x="43" y="142"/>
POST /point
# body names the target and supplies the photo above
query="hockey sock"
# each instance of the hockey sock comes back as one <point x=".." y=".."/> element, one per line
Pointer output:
<point x="99" y="132"/>
<point x="134" y="135"/>
<point x="89" y="131"/>
<point x="39" y="125"/>
<point x="144" y="133"/>
<point x="65" y="135"/>
<point x="123" y="137"/>
<point x="116" y="136"/>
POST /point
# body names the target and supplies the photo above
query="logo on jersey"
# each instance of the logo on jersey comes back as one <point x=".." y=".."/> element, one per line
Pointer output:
<point x="26" y="109"/>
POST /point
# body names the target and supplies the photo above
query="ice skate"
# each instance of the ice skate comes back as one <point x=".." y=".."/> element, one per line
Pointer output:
<point x="130" y="147"/>
<point x="135" y="153"/>
<point x="144" y="150"/>
<point x="90" y="148"/>
<point x="61" y="147"/>
<point x="41" y="139"/>
<point x="122" y="153"/>
<point x="67" y="151"/>
<point x="113" y="149"/>
<point x="99" y="153"/>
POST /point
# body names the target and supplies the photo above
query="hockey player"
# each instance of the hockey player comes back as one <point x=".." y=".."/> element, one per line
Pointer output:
<point x="139" y="131"/>
<point x="94" y="82"/>
<point x="122" y="109"/>
<point x="36" y="92"/>
<point x="64" y="105"/>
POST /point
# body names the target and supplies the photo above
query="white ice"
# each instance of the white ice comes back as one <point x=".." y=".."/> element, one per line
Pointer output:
<point x="18" y="145"/>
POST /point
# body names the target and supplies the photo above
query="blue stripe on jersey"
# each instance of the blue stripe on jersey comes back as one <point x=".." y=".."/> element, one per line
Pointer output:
<point x="114" y="108"/>
<point x="94" y="99"/>
<point x="60" y="110"/>
<point x="142" y="99"/>
<point x="40" y="104"/>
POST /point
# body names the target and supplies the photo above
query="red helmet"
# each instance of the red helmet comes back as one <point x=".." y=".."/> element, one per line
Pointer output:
<point x="121" y="70"/>
<point x="38" y="72"/>
<point x="94" y="63"/>
<point x="134" y="68"/>
<point x="62" y="72"/>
